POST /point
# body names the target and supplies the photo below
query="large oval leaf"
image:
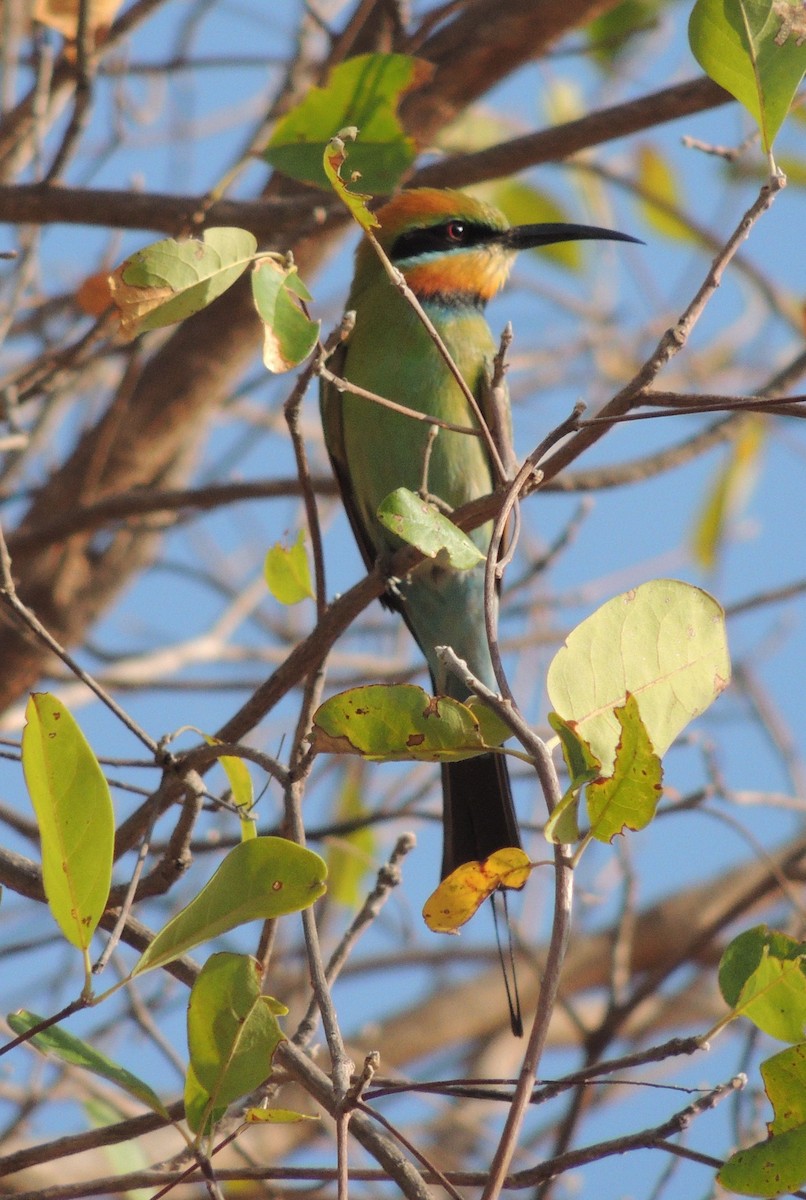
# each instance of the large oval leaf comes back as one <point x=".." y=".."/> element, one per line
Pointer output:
<point x="664" y="642"/>
<point x="399" y="722"/>
<point x="421" y="524"/>
<point x="364" y="91"/>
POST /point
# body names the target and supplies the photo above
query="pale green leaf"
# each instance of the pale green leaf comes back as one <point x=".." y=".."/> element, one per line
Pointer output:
<point x="350" y="855"/>
<point x="75" y="817"/>
<point x="170" y="280"/>
<point x="289" y="336"/>
<point x="528" y="205"/>
<point x="421" y="524"/>
<point x="784" y="1078"/>
<point x="728" y="492"/>
<point x="775" y="1167"/>
<point x="664" y="642"/>
<point x="277" y="1116"/>
<point x="562" y="826"/>
<point x="628" y="799"/>
<point x="240" y="782"/>
<point x="659" y="192"/>
<point x="391" y="723"/>
<point x="615" y="30"/>
<point x="123" y="1157"/>
<point x="232" y="1036"/>
<point x="334" y="158"/>
<point x="286" y="571"/>
<point x="363" y="91"/>
<point x="762" y="976"/>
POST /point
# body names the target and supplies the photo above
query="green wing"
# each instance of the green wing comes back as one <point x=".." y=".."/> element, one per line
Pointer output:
<point x="332" y="410"/>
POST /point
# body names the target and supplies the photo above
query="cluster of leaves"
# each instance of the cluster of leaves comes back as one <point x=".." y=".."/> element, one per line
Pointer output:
<point x="232" y="1027"/>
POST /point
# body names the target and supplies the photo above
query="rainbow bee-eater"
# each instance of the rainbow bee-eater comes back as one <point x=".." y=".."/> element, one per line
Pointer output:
<point x="455" y="253"/>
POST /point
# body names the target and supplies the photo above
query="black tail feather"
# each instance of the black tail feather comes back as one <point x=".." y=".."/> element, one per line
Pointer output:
<point x="506" y="957"/>
<point x="479" y="818"/>
<point x="477" y="810"/>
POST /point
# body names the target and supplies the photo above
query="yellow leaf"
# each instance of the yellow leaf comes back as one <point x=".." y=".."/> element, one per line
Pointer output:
<point x="463" y="892"/>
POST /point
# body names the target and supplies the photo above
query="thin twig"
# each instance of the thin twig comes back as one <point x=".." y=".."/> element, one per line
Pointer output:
<point x="673" y="340"/>
<point x="389" y="876"/>
<point x="8" y="596"/>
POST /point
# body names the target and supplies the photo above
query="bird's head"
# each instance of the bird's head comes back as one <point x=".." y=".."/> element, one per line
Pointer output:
<point x="455" y="249"/>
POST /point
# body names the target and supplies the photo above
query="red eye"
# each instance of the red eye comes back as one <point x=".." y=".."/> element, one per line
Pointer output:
<point x="455" y="231"/>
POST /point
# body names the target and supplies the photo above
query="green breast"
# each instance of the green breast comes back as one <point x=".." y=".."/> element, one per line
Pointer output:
<point x="391" y="354"/>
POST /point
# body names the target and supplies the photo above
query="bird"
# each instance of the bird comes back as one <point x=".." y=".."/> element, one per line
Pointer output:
<point x="455" y="252"/>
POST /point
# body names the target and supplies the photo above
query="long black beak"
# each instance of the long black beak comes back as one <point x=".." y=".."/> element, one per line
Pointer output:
<point x="527" y="237"/>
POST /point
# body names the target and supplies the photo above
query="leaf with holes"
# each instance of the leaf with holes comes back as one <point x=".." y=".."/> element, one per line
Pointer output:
<point x="462" y="893"/>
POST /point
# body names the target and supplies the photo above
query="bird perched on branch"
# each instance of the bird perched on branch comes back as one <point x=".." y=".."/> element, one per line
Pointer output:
<point x="455" y="252"/>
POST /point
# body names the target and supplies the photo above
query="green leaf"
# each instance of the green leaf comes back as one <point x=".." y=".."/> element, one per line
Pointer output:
<point x="333" y="160"/>
<point x="778" y="1164"/>
<point x="287" y="573"/>
<point x="57" y="1043"/>
<point x="385" y="723"/>
<point x="664" y="642"/>
<point x="728" y="492"/>
<point x="260" y="878"/>
<point x="232" y="1036"/>
<point x="240" y="782"/>
<point x="421" y="524"/>
<point x="659" y="191"/>
<point x="753" y="49"/>
<point x="349" y="855"/>
<point x="775" y="1167"/>
<point x="562" y="826"/>
<point x="200" y="1114"/>
<point x="629" y="798"/>
<point x="493" y="730"/>
<point x="762" y="976"/>
<point x="289" y="336"/>
<point x="580" y="760"/>
<point x="784" y="1078"/>
<point x="363" y="91"/>
<point x="171" y="280"/>
<point x="74" y="812"/>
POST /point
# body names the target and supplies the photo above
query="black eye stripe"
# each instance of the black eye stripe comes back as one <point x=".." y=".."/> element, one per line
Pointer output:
<point x="433" y="238"/>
